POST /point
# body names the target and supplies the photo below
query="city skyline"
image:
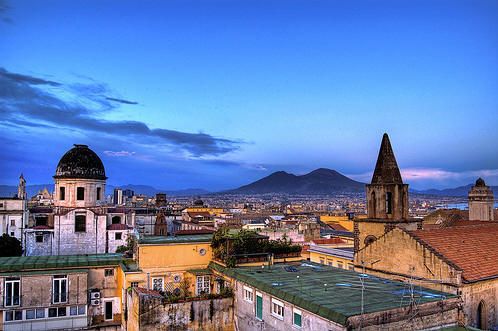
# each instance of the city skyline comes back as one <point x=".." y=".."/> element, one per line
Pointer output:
<point x="178" y="97"/>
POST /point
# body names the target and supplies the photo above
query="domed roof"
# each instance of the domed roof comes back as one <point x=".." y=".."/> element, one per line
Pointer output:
<point x="80" y="162"/>
<point x="480" y="182"/>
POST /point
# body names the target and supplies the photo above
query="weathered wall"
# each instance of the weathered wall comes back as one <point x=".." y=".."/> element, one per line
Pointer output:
<point x="473" y="294"/>
<point x="216" y="314"/>
<point x="397" y="255"/>
<point x="423" y="317"/>
<point x="67" y="241"/>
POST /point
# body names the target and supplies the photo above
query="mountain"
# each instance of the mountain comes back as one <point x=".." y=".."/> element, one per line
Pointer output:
<point x="461" y="191"/>
<point x="319" y="181"/>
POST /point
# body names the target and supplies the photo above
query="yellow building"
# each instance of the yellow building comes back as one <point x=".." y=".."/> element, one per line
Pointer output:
<point x="340" y="257"/>
<point x="171" y="264"/>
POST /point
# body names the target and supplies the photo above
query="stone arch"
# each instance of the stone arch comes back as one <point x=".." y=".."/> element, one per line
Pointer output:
<point x="482" y="316"/>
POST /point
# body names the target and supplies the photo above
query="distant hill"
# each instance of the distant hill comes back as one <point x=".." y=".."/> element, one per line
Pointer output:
<point x="11" y="190"/>
<point x="461" y="191"/>
<point x="319" y="181"/>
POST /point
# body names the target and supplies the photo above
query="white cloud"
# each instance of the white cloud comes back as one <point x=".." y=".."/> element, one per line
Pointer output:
<point x="119" y="153"/>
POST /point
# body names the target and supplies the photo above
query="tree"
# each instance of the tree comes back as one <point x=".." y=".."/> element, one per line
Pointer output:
<point x="10" y="246"/>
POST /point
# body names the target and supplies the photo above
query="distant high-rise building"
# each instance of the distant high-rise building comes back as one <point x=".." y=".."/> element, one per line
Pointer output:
<point x="128" y="193"/>
<point x="481" y="202"/>
<point x="118" y="196"/>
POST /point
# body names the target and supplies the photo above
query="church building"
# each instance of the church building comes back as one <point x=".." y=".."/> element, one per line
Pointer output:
<point x="459" y="258"/>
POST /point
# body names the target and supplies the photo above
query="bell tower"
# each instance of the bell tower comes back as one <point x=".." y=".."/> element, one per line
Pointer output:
<point x="481" y="201"/>
<point x="387" y="201"/>
<point x="387" y="196"/>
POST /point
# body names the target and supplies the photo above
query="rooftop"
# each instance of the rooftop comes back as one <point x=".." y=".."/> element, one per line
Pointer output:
<point x="27" y="263"/>
<point x="157" y="240"/>
<point x="344" y="286"/>
<point x="471" y="248"/>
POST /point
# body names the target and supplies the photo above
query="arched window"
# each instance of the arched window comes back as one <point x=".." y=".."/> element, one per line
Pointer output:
<point x="116" y="220"/>
<point x="482" y="318"/>
<point x="370" y="239"/>
<point x="373" y="203"/>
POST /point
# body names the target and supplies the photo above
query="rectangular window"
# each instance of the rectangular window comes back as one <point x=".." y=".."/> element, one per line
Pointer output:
<point x="81" y="310"/>
<point x="259" y="306"/>
<point x="109" y="272"/>
<point x="277" y="308"/>
<point x="389" y="203"/>
<point x="134" y="284"/>
<point x="59" y="290"/>
<point x="39" y="238"/>
<point x="330" y="262"/>
<point x="41" y="220"/>
<point x="203" y="285"/>
<point x="62" y="193"/>
<point x="40" y="313"/>
<point x="80" y="193"/>
<point x="13" y="315"/>
<point x="30" y="314"/>
<point x="157" y="284"/>
<point x="108" y="310"/>
<point x="12" y="234"/>
<point x="117" y="236"/>
<point x="248" y="295"/>
<point x="12" y="222"/>
<point x="80" y="223"/>
<point x="351" y="267"/>
<point x="52" y="312"/>
<point x="99" y="193"/>
<point x="61" y="311"/>
<point x="297" y="318"/>
<point x="73" y="310"/>
<point x="340" y="264"/>
<point x="12" y="292"/>
<point x="322" y="260"/>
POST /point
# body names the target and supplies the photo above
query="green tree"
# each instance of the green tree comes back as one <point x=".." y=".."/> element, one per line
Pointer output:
<point x="10" y="246"/>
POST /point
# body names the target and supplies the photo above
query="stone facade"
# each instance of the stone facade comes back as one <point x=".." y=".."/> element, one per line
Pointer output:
<point x="150" y="312"/>
<point x="481" y="202"/>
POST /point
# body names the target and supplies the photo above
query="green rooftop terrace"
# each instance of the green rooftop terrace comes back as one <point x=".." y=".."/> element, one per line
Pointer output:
<point x="158" y="240"/>
<point x="29" y="263"/>
<point x="332" y="293"/>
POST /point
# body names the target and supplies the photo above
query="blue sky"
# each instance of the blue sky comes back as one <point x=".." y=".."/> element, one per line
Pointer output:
<point x="214" y="94"/>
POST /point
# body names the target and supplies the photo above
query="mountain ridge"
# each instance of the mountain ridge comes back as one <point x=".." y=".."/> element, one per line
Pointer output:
<point x="318" y="181"/>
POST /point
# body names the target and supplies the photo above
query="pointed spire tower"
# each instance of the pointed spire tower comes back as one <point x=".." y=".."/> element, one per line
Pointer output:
<point x="387" y="204"/>
<point x="387" y="196"/>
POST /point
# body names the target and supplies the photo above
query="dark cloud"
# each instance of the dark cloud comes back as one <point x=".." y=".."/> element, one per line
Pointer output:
<point x="33" y="101"/>
<point x="25" y="79"/>
<point x="126" y="102"/>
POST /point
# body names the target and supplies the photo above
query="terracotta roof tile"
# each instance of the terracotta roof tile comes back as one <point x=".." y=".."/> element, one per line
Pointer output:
<point x="473" y="248"/>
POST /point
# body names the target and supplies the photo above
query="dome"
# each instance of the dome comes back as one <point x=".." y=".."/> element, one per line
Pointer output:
<point x="80" y="162"/>
<point x="480" y="182"/>
<point x="198" y="203"/>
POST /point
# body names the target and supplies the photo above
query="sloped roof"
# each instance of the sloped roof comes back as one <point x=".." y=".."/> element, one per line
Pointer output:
<point x="472" y="248"/>
<point x="386" y="168"/>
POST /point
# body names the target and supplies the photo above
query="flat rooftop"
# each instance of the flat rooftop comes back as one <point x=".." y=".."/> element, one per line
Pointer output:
<point x="29" y="263"/>
<point x="157" y="240"/>
<point x="332" y="293"/>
